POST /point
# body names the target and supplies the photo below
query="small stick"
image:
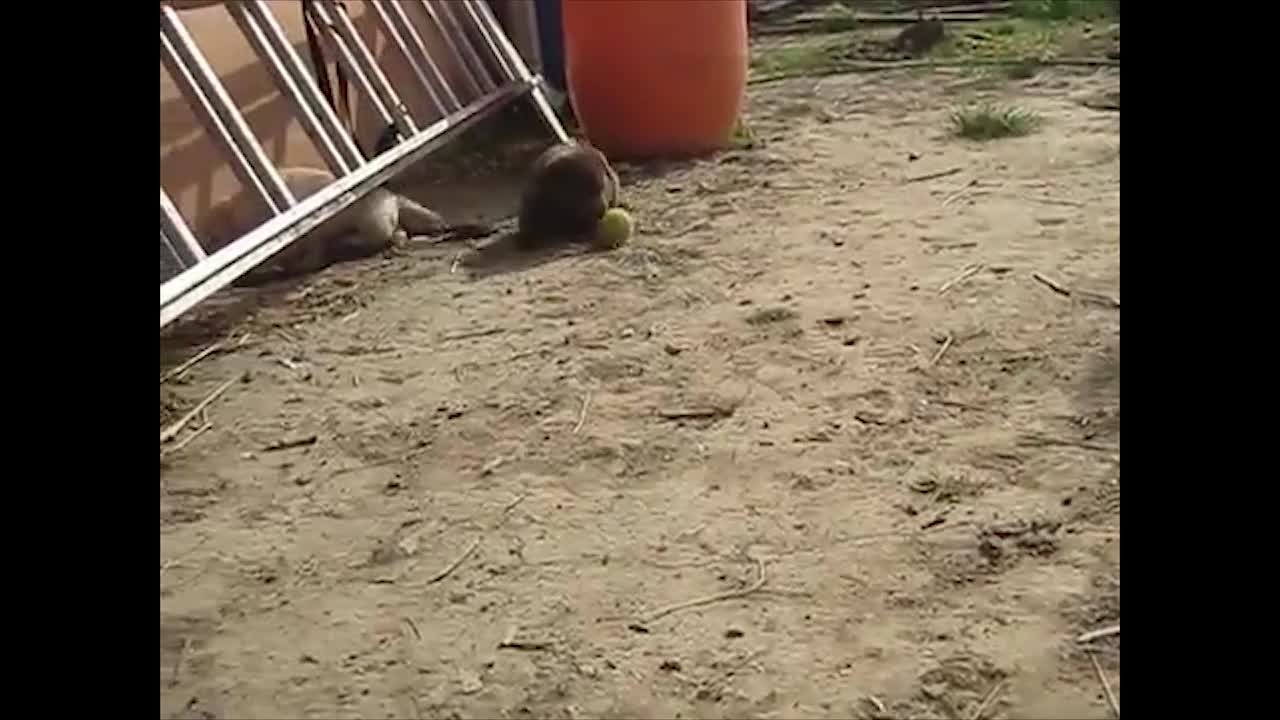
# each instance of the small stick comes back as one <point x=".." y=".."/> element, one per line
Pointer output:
<point x="1082" y="294"/>
<point x="718" y="597"/>
<point x="849" y="68"/>
<point x="172" y="431"/>
<point x="962" y="405"/>
<point x="987" y="700"/>
<point x="1051" y="201"/>
<point x="946" y="345"/>
<point x="1099" y="634"/>
<point x="185" y="441"/>
<point x="932" y="176"/>
<point x="487" y="469"/>
<point x="1106" y="686"/>
<point x="968" y="273"/>
<point x="454" y="565"/>
<point x="1038" y="440"/>
<point x="582" y="414"/>
<point x="512" y="505"/>
<point x="288" y="444"/>
<point x="693" y="227"/>
<point x="523" y="645"/>
<point x="183" y="555"/>
<point x="959" y="193"/>
<point x="473" y="334"/>
<point x="178" y="371"/>
<point x="714" y="413"/>
<point x="1051" y="284"/>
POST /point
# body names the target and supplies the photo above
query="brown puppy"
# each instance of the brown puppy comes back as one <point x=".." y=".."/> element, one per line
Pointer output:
<point x="376" y="222"/>
<point x="567" y="192"/>
<point x="920" y="36"/>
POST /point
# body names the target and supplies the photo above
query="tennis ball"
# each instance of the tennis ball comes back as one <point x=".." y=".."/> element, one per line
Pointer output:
<point x="615" y="228"/>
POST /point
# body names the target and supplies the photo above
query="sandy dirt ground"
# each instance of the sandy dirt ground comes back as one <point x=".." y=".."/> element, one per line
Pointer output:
<point x="817" y="443"/>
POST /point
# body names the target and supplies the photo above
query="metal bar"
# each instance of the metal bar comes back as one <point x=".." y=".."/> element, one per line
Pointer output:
<point x="349" y="63"/>
<point x="217" y="131"/>
<point x="460" y="44"/>
<point x="304" y="81"/>
<point x="311" y="124"/>
<point x="493" y="31"/>
<point x="473" y="85"/>
<point x="495" y="50"/>
<point x="411" y="41"/>
<point x="187" y="54"/>
<point x="393" y="33"/>
<point x="175" y="230"/>
<point x="341" y="22"/>
<point x="224" y="266"/>
<point x="532" y="54"/>
<point x="168" y="245"/>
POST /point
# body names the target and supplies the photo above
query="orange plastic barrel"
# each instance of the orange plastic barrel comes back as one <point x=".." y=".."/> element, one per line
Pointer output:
<point x="652" y="78"/>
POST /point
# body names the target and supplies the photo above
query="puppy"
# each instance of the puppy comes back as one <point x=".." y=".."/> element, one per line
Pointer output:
<point x="569" y="188"/>
<point x="378" y="221"/>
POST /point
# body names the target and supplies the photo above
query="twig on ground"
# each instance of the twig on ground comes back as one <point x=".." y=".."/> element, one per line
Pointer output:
<point x="692" y="227"/>
<point x="961" y="405"/>
<point x="224" y="344"/>
<point x="932" y="176"/>
<point x="718" y="597"/>
<point x="172" y="431"/>
<point x="875" y="702"/>
<point x="183" y="555"/>
<point x="473" y="334"/>
<point x="582" y="414"/>
<point x="488" y="468"/>
<point x="166" y="452"/>
<point x="1054" y="286"/>
<point x="175" y="372"/>
<point x="524" y="645"/>
<point x="1106" y="686"/>
<point x="511" y="643"/>
<point x="960" y="193"/>
<point x="968" y="273"/>
<point x="987" y="700"/>
<point x="1081" y="294"/>
<point x="454" y="565"/>
<point x="1099" y="633"/>
<point x="453" y="268"/>
<point x="1050" y="201"/>
<point x="868" y="419"/>
<point x="849" y="68"/>
<point x="289" y="444"/>
<point x="506" y="509"/>
<point x="1039" y="440"/>
<point x="946" y="345"/>
<point x="712" y="413"/>
<point x="768" y="25"/>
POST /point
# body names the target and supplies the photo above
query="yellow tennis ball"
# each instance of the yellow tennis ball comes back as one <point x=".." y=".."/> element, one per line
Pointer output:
<point x="615" y="228"/>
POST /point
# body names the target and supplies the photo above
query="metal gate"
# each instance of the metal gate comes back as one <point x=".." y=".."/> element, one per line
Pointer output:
<point x="490" y="85"/>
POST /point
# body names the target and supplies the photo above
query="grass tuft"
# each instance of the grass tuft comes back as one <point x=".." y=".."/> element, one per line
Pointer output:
<point x="990" y="122"/>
